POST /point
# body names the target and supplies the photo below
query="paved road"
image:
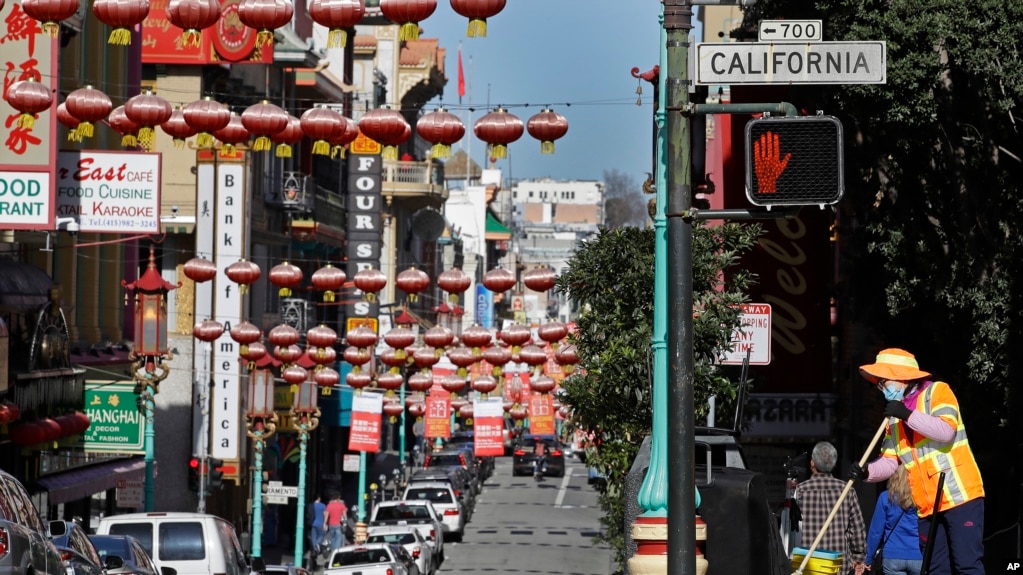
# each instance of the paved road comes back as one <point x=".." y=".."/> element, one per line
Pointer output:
<point x="523" y="527"/>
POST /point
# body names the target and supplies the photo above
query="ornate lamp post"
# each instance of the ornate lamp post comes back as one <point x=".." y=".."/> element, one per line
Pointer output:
<point x="148" y="368"/>
<point x="260" y="424"/>
<point x="306" y="415"/>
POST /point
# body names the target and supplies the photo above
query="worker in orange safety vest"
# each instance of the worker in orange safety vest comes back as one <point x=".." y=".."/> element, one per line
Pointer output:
<point x="926" y="434"/>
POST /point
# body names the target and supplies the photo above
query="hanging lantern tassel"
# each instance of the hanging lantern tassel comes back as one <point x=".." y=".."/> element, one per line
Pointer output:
<point x="229" y="150"/>
<point x="129" y="141"/>
<point x="73" y="135"/>
<point x="412" y="298"/>
<point x="337" y="151"/>
<point x="547" y="147"/>
<point x="51" y="28"/>
<point x="261" y="144"/>
<point x="84" y="130"/>
<point x="120" y="37"/>
<point x="498" y="151"/>
<point x="390" y="153"/>
<point x="191" y="37"/>
<point x="284" y="292"/>
<point x="328" y="296"/>
<point x="409" y="31"/>
<point x="264" y="38"/>
<point x="179" y="143"/>
<point x="453" y="298"/>
<point x="337" y="38"/>
<point x="477" y="27"/>
<point x="440" y="150"/>
<point x="283" y="151"/>
<point x="321" y="148"/>
<point x="26" y="121"/>
<point x="146" y="137"/>
<point x="204" y="140"/>
<point x="371" y="297"/>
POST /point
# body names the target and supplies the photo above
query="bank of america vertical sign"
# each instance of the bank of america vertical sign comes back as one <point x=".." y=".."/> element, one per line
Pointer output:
<point x="364" y="219"/>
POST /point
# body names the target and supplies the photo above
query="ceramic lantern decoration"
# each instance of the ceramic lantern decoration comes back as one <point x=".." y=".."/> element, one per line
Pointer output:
<point x="477" y="11"/>
<point x="265" y="16"/>
<point x="122" y="16"/>
<point x="206" y="116"/>
<point x="264" y="120"/>
<point x="29" y="97"/>
<point x="547" y="126"/>
<point x="336" y="16"/>
<point x="50" y="13"/>
<point x="233" y="134"/>
<point x="90" y="106"/>
<point x="498" y="129"/>
<point x="147" y="110"/>
<point x="289" y="136"/>
<point x="193" y="16"/>
<point x="442" y="129"/>
<point x="319" y="124"/>
<point x="177" y="128"/>
<point x="408" y="13"/>
<point x="387" y="127"/>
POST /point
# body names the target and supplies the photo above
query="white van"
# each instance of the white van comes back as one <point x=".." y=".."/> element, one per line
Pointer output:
<point x="182" y="543"/>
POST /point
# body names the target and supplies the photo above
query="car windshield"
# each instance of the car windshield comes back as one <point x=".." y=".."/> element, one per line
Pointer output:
<point x="111" y="546"/>
<point x="402" y="512"/>
<point x="445" y="460"/>
<point x="360" y="557"/>
<point x="431" y="494"/>
<point x="532" y="440"/>
<point x="396" y="538"/>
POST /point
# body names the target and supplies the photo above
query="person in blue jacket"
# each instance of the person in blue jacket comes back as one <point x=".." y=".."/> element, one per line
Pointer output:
<point x="894" y="529"/>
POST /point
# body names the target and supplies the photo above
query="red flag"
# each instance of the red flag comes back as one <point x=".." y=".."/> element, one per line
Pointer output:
<point x="461" y="75"/>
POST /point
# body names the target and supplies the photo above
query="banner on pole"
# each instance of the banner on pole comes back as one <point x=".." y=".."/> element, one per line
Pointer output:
<point x="365" y="432"/>
<point x="438" y="415"/>
<point x="488" y="430"/>
<point x="541" y="414"/>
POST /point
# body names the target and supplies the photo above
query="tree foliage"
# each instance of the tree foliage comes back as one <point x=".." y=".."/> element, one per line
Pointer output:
<point x="611" y="278"/>
<point x="624" y="204"/>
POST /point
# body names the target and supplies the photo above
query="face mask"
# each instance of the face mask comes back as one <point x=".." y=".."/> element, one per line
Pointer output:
<point x="892" y="392"/>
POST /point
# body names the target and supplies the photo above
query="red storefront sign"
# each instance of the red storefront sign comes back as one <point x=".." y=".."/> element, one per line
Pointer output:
<point x="227" y="41"/>
<point x="365" y="431"/>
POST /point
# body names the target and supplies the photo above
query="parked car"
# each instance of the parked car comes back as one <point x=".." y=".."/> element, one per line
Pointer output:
<point x="420" y="514"/>
<point x="459" y="479"/>
<point x="77" y="551"/>
<point x="371" y="559"/>
<point x="525" y="454"/>
<point x="134" y="556"/>
<point x="27" y="547"/>
<point x="467" y="440"/>
<point x="182" y="543"/>
<point x="509" y="435"/>
<point x="408" y="537"/>
<point x="444" y="500"/>
<point x="283" y="570"/>
<point x="456" y="456"/>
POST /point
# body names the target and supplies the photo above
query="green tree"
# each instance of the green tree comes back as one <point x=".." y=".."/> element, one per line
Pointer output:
<point x="611" y="278"/>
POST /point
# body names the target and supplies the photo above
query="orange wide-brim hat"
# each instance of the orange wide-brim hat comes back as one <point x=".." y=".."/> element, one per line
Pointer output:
<point x="893" y="363"/>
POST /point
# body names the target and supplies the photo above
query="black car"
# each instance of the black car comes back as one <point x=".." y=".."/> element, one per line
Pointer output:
<point x="467" y="440"/>
<point x="135" y="557"/>
<point x="455" y="456"/>
<point x="525" y="454"/>
<point x="77" y="551"/>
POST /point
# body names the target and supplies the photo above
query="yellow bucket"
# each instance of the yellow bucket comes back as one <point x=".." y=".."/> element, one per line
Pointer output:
<point x="821" y="562"/>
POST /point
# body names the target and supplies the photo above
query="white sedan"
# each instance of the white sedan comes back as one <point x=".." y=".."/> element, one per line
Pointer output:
<point x="369" y="559"/>
<point x="408" y="537"/>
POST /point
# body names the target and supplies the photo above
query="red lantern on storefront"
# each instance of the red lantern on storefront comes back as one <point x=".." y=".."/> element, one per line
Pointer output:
<point x="329" y="280"/>
<point x="540" y="279"/>
<point x="29" y="96"/>
<point x="462" y="357"/>
<point x="454" y="281"/>
<point x="412" y="281"/>
<point x="518" y="413"/>
<point x="289" y="136"/>
<point x="264" y="120"/>
<point x="68" y="121"/>
<point x="438" y="337"/>
<point x="265" y="16"/>
<point x="320" y="123"/>
<point x="442" y="129"/>
<point x="336" y="16"/>
<point x="390" y="381"/>
<point x="206" y="116"/>
<point x="370" y="281"/>
<point x="233" y="134"/>
<point x="90" y="106"/>
<point x="498" y="129"/>
<point x="426" y="357"/>
<point x="25" y="434"/>
<point x="285" y="276"/>
<point x="177" y="128"/>
<point x="547" y="126"/>
<point x="199" y="269"/>
<point x="244" y="273"/>
<point x="533" y="355"/>
<point x="147" y="110"/>
<point x="417" y="410"/>
<point x="50" y="13"/>
<point x="208" y="330"/>
<point x="288" y="354"/>
<point x="321" y="336"/>
<point x="256" y="352"/>
<point x="82" y="421"/>
<point x="393" y="409"/>
<point x="499" y="280"/>
<point x="245" y="333"/>
<point x="193" y="16"/>
<point x="122" y="16"/>
<point x="387" y="127"/>
<point x="326" y="377"/>
<point x="453" y="383"/>
<point x="400" y="338"/>
<point x="119" y="121"/>
<point x="477" y="11"/>
<point x="408" y="13"/>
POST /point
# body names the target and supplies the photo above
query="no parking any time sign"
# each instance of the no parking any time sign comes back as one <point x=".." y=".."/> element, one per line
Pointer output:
<point x="753" y="336"/>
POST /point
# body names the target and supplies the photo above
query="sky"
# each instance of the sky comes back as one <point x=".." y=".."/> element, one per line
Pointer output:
<point x="573" y="55"/>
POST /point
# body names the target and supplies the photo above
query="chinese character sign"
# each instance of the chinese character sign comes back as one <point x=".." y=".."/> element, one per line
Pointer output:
<point x="28" y="154"/>
<point x="365" y="432"/>
<point x="438" y="415"/>
<point x="541" y="414"/>
<point x="489" y="427"/>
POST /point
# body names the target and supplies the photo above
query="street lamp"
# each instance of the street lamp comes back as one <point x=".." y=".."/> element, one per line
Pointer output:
<point x="148" y="368"/>
<point x="306" y="415"/>
<point x="260" y="424"/>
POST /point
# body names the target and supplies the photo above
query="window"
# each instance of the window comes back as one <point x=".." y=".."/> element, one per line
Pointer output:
<point x="141" y="531"/>
<point x="182" y="542"/>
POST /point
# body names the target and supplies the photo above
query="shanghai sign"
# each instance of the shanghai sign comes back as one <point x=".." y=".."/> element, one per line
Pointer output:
<point x="117" y="426"/>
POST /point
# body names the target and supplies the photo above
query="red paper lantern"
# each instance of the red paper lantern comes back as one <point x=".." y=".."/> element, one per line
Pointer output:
<point x="321" y="336"/>
<point x="206" y="116"/>
<point x="390" y="381"/>
<point x="51" y="429"/>
<point x="199" y="269"/>
<point x="399" y="337"/>
<point x="425" y="357"/>
<point x="417" y="409"/>
<point x="357" y="355"/>
<point x="326" y="377"/>
<point x="177" y="128"/>
<point x="283" y="335"/>
<point x="542" y="384"/>
<point x="122" y="16"/>
<point x="408" y="13"/>
<point x="265" y="16"/>
<point x="413" y="282"/>
<point x="82" y="421"/>
<point x="232" y="134"/>
<point x="295" y="374"/>
<point x="462" y="357"/>
<point x="465" y="411"/>
<point x="484" y="384"/>
<point x="533" y="355"/>
<point x="516" y="335"/>
<point x="288" y="354"/>
<point x="50" y="13"/>
<point x="362" y="336"/>
<point x="393" y="409"/>
<point x="90" y="106"/>
<point x="26" y="434"/>
<point x="567" y="357"/>
<point x="290" y="135"/>
<point x="547" y="126"/>
<point x="358" y="380"/>
<point x="329" y="280"/>
<point x="121" y="124"/>
<point x="68" y="121"/>
<point x="243" y="273"/>
<point x="453" y="383"/>
<point x="147" y="110"/>
<point x="256" y="352"/>
<point x="391" y="358"/>
<point x="320" y="124"/>
<point x="454" y="281"/>
<point x="498" y="129"/>
<point x="344" y="134"/>
<point x="387" y="127"/>
<point x="438" y="337"/>
<point x="245" y="333"/>
<point x="336" y="15"/>
<point x="518" y="413"/>
<point x="499" y="280"/>
<point x="477" y="11"/>
<point x="370" y="281"/>
<point x="208" y="330"/>
<point x="323" y="355"/>
<point x="540" y="279"/>
<point x="285" y="276"/>
<point x="29" y="96"/>
<point x="497" y="356"/>
<point x="552" y="332"/>
<point x="420" y="381"/>
<point x="477" y="337"/>
<point x="264" y="119"/>
<point x="442" y="129"/>
<point x="193" y="16"/>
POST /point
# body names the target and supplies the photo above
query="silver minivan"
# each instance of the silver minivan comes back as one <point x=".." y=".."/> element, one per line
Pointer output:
<point x="182" y="543"/>
<point x="26" y="546"/>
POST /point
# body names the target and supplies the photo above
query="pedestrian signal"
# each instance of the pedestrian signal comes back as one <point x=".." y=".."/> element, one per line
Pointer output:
<point x="794" y="161"/>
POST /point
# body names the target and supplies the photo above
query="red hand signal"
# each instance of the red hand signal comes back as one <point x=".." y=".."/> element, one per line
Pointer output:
<point x="768" y="163"/>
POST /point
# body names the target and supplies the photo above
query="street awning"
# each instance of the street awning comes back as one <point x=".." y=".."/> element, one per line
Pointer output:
<point x="85" y="481"/>
<point x="495" y="229"/>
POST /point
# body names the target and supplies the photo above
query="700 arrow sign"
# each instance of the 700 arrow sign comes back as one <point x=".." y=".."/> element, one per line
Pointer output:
<point x="790" y="31"/>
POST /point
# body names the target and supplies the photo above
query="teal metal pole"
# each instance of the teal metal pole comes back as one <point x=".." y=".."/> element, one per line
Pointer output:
<point x="257" y="497"/>
<point x="362" y="487"/>
<point x="149" y="439"/>
<point x="401" y="430"/>
<point x="303" y="439"/>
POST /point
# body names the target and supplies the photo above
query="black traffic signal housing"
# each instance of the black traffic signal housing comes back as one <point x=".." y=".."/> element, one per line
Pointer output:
<point x="794" y="161"/>
<point x="194" y="474"/>
<point x="215" y="475"/>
